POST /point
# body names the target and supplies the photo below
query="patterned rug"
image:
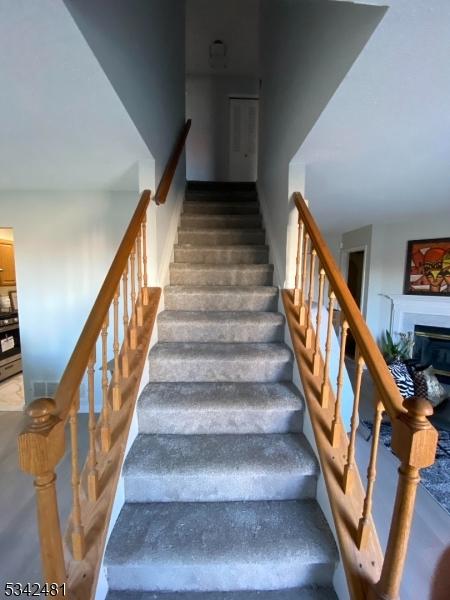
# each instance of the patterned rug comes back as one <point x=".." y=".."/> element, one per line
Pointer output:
<point x="436" y="479"/>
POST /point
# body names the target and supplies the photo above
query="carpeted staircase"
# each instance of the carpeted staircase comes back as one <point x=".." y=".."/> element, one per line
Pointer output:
<point x="220" y="483"/>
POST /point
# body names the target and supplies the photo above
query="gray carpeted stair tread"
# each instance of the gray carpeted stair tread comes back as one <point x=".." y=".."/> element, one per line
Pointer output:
<point x="222" y="236"/>
<point x="220" y="326"/>
<point x="225" y="254"/>
<point x="220" y="482"/>
<point x="191" y="468"/>
<point x="185" y="297"/>
<point x="232" y="274"/>
<point x="203" y="408"/>
<point x="203" y="546"/>
<point x="191" y="361"/>
<point x="305" y="593"/>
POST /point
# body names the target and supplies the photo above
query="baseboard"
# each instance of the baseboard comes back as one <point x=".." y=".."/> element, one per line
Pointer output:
<point x="270" y="240"/>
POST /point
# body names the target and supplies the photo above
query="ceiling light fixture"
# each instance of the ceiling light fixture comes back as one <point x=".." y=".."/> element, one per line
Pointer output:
<point x="218" y="55"/>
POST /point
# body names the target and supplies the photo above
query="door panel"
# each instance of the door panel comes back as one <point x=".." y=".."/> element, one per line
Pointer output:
<point x="243" y="139"/>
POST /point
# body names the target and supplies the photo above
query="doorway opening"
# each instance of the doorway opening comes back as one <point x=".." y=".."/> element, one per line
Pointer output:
<point x="355" y="279"/>
<point x="11" y="380"/>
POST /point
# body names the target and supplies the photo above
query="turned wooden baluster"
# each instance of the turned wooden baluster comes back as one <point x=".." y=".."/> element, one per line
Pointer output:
<point x="132" y="327"/>
<point x="125" y="364"/>
<point x="302" y="311"/>
<point x="116" y="394"/>
<point x="41" y="447"/>
<point x="298" y="260"/>
<point x="364" y="522"/>
<point x="316" y="358"/>
<point x="335" y="425"/>
<point x="92" y="453"/>
<point x="140" y="304"/>
<point x="414" y="441"/>
<point x="78" y="542"/>
<point x="349" y="469"/>
<point x="325" y="389"/>
<point x="309" y="328"/>
<point x="144" y="260"/>
<point x="105" y="429"/>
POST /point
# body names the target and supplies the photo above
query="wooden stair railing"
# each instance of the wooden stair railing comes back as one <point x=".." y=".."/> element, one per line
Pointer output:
<point x="72" y="561"/>
<point x="414" y="440"/>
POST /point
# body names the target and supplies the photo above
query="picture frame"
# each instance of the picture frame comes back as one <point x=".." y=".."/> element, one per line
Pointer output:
<point x="427" y="269"/>
<point x="13" y="300"/>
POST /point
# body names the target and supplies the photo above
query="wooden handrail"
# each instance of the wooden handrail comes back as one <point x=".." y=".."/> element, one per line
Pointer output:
<point x="370" y="576"/>
<point x="76" y="367"/>
<point x="169" y="172"/>
<point x="75" y="558"/>
<point x="375" y="362"/>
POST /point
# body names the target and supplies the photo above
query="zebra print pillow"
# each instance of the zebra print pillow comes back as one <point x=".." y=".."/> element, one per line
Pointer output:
<point x="402" y="378"/>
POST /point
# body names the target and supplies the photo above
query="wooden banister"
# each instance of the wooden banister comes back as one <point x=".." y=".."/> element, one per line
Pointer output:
<point x="391" y="397"/>
<point x="75" y="557"/>
<point x="414" y="440"/>
<point x="169" y="172"/>
<point x="74" y="372"/>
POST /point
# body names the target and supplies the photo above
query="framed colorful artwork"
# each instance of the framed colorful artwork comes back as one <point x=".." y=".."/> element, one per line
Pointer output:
<point x="427" y="270"/>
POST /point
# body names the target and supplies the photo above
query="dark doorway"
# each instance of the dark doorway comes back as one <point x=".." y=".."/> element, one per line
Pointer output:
<point x="355" y="275"/>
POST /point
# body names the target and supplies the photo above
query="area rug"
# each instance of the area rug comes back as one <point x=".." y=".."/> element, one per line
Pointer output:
<point x="436" y="479"/>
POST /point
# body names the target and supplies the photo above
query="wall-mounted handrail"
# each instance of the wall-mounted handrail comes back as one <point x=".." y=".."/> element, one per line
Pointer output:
<point x="370" y="576"/>
<point x="169" y="172"/>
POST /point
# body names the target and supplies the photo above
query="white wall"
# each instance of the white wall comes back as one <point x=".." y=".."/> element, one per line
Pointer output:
<point x="62" y="124"/>
<point x="89" y="117"/>
<point x="64" y="244"/>
<point x="388" y="260"/>
<point x="235" y="23"/>
<point x="380" y="148"/>
<point x="299" y="76"/>
<point x="141" y="47"/>
<point x="207" y="104"/>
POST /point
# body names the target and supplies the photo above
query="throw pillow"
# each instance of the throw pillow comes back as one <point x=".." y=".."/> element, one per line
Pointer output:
<point x="402" y="378"/>
<point x="435" y="391"/>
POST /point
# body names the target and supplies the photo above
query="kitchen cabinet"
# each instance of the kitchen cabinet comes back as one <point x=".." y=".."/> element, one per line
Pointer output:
<point x="7" y="265"/>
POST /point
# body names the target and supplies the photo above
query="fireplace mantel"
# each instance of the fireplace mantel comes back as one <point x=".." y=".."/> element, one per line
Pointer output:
<point x="408" y="311"/>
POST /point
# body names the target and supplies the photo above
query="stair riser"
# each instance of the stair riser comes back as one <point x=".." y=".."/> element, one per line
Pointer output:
<point x="216" y="487"/>
<point x="219" y="576"/>
<point x="220" y="332"/>
<point x="217" y="301"/>
<point x="231" y="276"/>
<point x="224" y="208"/>
<point x="191" y="422"/>
<point x="211" y="255"/>
<point x="219" y="370"/>
<point x="220" y="221"/>
<point x="221" y="237"/>
<point x="225" y="197"/>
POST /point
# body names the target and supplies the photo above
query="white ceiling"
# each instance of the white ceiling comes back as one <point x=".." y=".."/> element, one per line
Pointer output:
<point x="62" y="126"/>
<point x="381" y="148"/>
<point x="233" y="21"/>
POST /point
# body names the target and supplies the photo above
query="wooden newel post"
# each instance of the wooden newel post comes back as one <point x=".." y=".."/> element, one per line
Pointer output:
<point x="41" y="447"/>
<point x="414" y="441"/>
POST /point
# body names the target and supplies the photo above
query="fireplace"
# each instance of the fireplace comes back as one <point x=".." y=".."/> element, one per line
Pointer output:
<point x="432" y="346"/>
